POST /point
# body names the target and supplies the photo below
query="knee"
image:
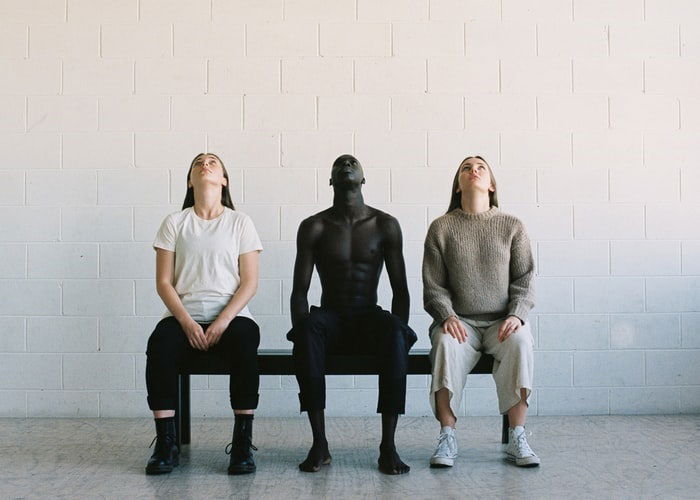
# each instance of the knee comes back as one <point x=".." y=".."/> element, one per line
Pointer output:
<point x="520" y="341"/>
<point x="309" y="327"/>
<point x="244" y="332"/>
<point x="443" y="342"/>
<point x="163" y="337"/>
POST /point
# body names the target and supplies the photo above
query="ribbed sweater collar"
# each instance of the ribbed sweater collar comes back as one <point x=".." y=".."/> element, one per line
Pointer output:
<point x="458" y="212"/>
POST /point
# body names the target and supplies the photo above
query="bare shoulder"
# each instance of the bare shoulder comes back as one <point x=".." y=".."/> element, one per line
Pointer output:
<point x="313" y="225"/>
<point x="387" y="223"/>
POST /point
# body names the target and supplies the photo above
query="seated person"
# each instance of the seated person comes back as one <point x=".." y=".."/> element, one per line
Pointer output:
<point x="349" y="243"/>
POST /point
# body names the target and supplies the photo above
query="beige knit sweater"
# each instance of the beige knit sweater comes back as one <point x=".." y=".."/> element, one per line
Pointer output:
<point x="477" y="265"/>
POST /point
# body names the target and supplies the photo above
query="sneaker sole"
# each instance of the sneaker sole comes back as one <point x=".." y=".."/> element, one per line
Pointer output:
<point x="524" y="462"/>
<point x="440" y="463"/>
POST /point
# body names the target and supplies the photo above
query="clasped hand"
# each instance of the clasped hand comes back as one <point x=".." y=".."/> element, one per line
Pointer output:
<point x="201" y="339"/>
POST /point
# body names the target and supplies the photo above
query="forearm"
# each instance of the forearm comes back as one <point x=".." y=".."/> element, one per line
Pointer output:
<point x="401" y="305"/>
<point x="239" y="300"/>
<point x="298" y="306"/>
<point x="172" y="301"/>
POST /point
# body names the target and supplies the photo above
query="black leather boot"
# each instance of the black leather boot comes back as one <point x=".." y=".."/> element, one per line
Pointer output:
<point x="240" y="448"/>
<point x="166" y="454"/>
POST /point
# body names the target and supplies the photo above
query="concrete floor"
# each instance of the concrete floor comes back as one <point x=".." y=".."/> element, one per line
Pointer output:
<point x="582" y="457"/>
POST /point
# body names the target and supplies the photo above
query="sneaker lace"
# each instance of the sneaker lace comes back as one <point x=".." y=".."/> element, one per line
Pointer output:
<point x="445" y="441"/>
<point x="523" y="446"/>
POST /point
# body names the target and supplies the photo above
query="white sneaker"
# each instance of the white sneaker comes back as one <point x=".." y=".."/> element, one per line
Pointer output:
<point x="446" y="450"/>
<point x="518" y="450"/>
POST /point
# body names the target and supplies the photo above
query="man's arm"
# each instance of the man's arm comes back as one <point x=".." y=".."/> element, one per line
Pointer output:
<point x="303" y="268"/>
<point x="395" y="266"/>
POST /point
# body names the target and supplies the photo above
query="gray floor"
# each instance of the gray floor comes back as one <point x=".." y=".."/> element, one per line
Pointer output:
<point x="582" y="457"/>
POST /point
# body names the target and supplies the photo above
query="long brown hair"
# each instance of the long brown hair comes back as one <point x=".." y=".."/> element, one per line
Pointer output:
<point x="225" y="193"/>
<point x="456" y="197"/>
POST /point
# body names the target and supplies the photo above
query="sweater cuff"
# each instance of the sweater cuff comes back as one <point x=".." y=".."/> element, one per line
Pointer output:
<point x="520" y="311"/>
<point x="440" y="312"/>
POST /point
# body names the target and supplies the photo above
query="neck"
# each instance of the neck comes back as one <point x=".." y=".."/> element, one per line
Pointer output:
<point x="349" y="203"/>
<point x="475" y="203"/>
<point x="207" y="203"/>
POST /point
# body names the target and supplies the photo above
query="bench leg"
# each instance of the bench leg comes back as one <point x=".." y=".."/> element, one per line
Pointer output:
<point x="504" y="431"/>
<point x="182" y="412"/>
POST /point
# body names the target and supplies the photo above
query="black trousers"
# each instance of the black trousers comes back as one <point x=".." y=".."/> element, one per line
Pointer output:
<point x="368" y="331"/>
<point x="168" y="347"/>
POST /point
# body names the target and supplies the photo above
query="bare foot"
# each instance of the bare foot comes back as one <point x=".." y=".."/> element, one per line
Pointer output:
<point x="318" y="456"/>
<point x="390" y="462"/>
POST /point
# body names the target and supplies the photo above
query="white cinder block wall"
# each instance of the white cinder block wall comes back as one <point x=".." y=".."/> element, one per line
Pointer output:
<point x="587" y="110"/>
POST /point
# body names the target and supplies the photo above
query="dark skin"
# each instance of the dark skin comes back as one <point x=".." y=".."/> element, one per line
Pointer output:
<point x="349" y="244"/>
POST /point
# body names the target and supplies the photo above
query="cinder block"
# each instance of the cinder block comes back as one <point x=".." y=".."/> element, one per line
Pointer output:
<point x="132" y="186"/>
<point x="645" y="258"/>
<point x="646" y="39"/>
<point x="690" y="182"/>
<point x="609" y="295"/>
<point x="171" y="76"/>
<point x="500" y="39"/>
<point x="126" y="333"/>
<point x="609" y="368"/>
<point x="13" y="41"/>
<point x="274" y="330"/>
<point x="134" y="112"/>
<point x="357" y="112"/>
<point x="41" y="76"/>
<point x="86" y="150"/>
<point x="229" y="11"/>
<point x="447" y="149"/>
<point x="32" y="150"/>
<point x="476" y="402"/>
<point x="277" y="112"/>
<point x="13" y="261"/>
<point x="94" y="224"/>
<point x="292" y="215"/>
<point x="536" y="10"/>
<point x="436" y="38"/>
<point x="573" y="258"/>
<point x="282" y="39"/>
<point x="579" y="39"/>
<point x="175" y="11"/>
<point x="501" y="112"/>
<point x="64" y="40"/>
<point x="544" y="222"/>
<point x="355" y="39"/>
<point x="690" y="257"/>
<point x="573" y="401"/>
<point x="98" y="298"/>
<point x="532" y="149"/>
<point x="516" y="185"/>
<point x="268" y="299"/>
<point x="390" y="149"/>
<point x="98" y="76"/>
<point x="170" y="149"/>
<point x="208" y="40"/>
<point x="123" y="404"/>
<point x="623" y="221"/>
<point x="148" y="303"/>
<point x="535" y="75"/>
<point x="427" y="111"/>
<point x="126" y="260"/>
<point x="138" y="40"/>
<point x="269" y="185"/>
<point x="12" y="187"/>
<point x="567" y="185"/>
<point x="277" y="261"/>
<point x="672" y="11"/>
<point x="62" y="260"/>
<point x="13" y="116"/>
<point x="605" y="11"/>
<point x="690" y="399"/>
<point x="599" y="75"/>
<point x="315" y="149"/>
<point x="13" y="336"/>
<point x="690" y="40"/>
<point x="673" y="294"/>
<point x="393" y="10"/>
<point x="266" y="219"/>
<point x="98" y="371"/>
<point x="644" y="401"/>
<point x="259" y="75"/>
<point x="207" y="113"/>
<point x="647" y="331"/>
<point x="671" y="76"/>
<point x="572" y="112"/>
<point x="13" y="404"/>
<point x="465" y="10"/>
<point x="30" y="371"/>
<point x="673" y="367"/>
<point x="62" y="404"/>
<point x="412" y="219"/>
<point x="464" y="75"/>
<point x="29" y="224"/>
<point x="33" y="11"/>
<point x="100" y="11"/>
<point x="319" y="10"/>
<point x="573" y="331"/>
<point x="553" y="369"/>
<point x="61" y="187"/>
<point x="421" y="185"/>
<point x="395" y="75"/>
<point x="279" y="404"/>
<point x="644" y="112"/>
<point x="30" y="297"/>
<point x="314" y="75"/>
<point x="147" y="220"/>
<point x="246" y="149"/>
<point x="607" y="148"/>
<point x="61" y="334"/>
<point x="210" y="404"/>
<point x="640" y="186"/>
<point x="670" y="221"/>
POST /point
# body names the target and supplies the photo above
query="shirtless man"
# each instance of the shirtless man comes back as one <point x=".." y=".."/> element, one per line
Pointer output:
<point x="349" y="243"/>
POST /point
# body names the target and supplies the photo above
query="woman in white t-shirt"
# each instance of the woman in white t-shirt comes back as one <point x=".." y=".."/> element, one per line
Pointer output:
<point x="206" y="273"/>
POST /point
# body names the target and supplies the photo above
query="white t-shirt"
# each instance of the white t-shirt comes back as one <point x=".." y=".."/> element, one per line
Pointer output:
<point x="206" y="258"/>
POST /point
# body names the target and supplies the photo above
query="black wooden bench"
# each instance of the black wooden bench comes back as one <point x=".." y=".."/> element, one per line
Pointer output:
<point x="280" y="362"/>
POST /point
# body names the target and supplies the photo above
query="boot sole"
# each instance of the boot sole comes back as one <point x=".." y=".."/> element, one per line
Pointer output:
<point x="162" y="469"/>
<point x="241" y="471"/>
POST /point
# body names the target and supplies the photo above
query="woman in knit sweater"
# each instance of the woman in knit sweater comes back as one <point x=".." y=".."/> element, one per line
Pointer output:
<point x="477" y="286"/>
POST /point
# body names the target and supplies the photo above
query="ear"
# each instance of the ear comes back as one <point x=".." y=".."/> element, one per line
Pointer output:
<point x="225" y="183"/>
